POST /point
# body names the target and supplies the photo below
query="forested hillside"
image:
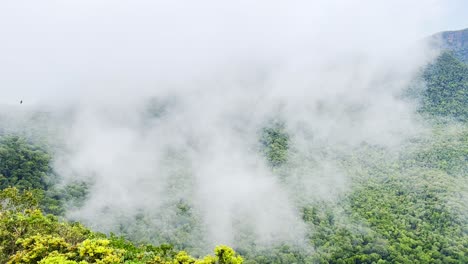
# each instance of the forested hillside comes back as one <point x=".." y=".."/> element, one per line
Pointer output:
<point x="408" y="205"/>
<point x="452" y="100"/>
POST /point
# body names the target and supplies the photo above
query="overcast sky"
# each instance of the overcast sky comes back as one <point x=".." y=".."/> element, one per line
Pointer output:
<point x="58" y="44"/>
<point x="454" y="17"/>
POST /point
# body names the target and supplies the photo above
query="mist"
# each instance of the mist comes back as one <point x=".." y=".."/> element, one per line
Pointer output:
<point x="158" y="103"/>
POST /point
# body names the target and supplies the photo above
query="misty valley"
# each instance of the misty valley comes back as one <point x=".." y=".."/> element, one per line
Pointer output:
<point x="245" y="154"/>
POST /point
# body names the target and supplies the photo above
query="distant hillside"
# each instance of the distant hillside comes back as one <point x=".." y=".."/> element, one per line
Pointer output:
<point x="447" y="87"/>
<point x="456" y="41"/>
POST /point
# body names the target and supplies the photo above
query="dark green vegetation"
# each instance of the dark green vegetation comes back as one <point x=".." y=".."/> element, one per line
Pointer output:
<point x="274" y="144"/>
<point x="405" y="206"/>
<point x="23" y="165"/>
<point x="452" y="100"/>
<point x="404" y="209"/>
<point x="27" y="166"/>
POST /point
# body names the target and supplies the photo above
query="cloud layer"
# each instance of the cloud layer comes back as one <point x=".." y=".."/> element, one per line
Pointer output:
<point x="174" y="93"/>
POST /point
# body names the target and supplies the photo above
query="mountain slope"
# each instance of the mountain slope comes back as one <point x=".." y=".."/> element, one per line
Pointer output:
<point x="447" y="88"/>
<point x="456" y="41"/>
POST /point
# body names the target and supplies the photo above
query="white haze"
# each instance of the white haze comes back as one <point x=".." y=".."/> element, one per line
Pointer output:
<point x="331" y="70"/>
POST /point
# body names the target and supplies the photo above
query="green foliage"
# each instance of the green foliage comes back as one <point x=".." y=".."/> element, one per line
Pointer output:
<point x="98" y="251"/>
<point x="55" y="198"/>
<point x="276" y="255"/>
<point x="225" y="255"/>
<point x="22" y="165"/>
<point x="26" y="166"/>
<point x="12" y="200"/>
<point x="447" y="88"/>
<point x="28" y="236"/>
<point x="410" y="213"/>
<point x="36" y="248"/>
<point x="275" y="144"/>
<point x="446" y="150"/>
<point x="50" y="249"/>
<point x="21" y="219"/>
<point x="402" y="209"/>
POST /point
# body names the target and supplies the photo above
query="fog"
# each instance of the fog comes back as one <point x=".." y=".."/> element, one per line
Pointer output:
<point x="161" y="102"/>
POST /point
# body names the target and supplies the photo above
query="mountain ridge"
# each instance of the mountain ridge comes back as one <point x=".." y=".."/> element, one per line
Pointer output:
<point x="455" y="41"/>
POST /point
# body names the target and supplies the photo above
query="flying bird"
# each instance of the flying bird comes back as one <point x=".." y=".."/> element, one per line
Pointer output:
<point x="21" y="102"/>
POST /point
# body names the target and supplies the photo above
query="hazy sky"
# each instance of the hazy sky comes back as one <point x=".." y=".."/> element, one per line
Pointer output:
<point x="454" y="18"/>
<point x="53" y="44"/>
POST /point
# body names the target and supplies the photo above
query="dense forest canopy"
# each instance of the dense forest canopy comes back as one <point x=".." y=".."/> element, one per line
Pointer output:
<point x="452" y="101"/>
